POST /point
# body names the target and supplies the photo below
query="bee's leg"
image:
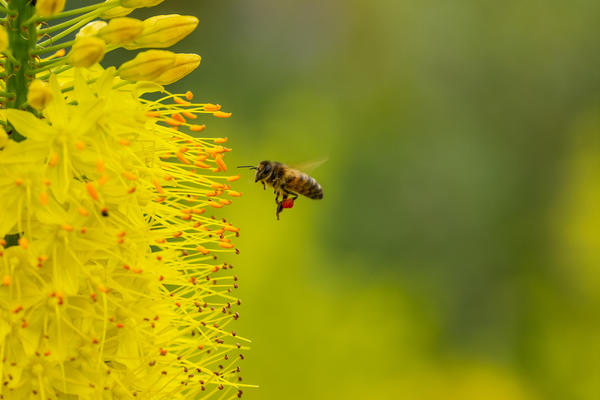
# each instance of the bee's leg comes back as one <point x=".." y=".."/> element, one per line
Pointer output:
<point x="277" y="197"/>
<point x="287" y="192"/>
<point x="279" y="209"/>
<point x="264" y="186"/>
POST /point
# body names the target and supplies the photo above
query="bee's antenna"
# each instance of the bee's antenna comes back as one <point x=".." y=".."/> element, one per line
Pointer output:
<point x="247" y="166"/>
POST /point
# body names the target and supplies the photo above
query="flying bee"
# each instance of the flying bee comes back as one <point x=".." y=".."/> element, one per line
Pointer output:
<point x="286" y="182"/>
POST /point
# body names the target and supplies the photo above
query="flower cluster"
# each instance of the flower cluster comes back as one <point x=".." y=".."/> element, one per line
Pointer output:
<point x="113" y="277"/>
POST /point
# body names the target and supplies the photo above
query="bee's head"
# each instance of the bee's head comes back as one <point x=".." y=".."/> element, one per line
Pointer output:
<point x="263" y="170"/>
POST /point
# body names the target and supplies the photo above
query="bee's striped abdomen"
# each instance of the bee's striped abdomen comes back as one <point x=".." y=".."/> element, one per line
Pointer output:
<point x="305" y="185"/>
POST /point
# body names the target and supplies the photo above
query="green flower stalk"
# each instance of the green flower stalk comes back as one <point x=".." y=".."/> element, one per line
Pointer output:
<point x="115" y="279"/>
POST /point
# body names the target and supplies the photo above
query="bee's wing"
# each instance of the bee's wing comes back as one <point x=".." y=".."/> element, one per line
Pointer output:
<point x="309" y="166"/>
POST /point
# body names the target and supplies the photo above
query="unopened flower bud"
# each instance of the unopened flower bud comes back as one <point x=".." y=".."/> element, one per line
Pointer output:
<point x="164" y="31"/>
<point x="3" y="38"/>
<point x="147" y="65"/>
<point x="86" y="51"/>
<point x="116" y="12"/>
<point x="91" y="29"/>
<point x="121" y="30"/>
<point x="184" y="64"/>
<point x="39" y="94"/>
<point x="48" y="8"/>
<point x="140" y="3"/>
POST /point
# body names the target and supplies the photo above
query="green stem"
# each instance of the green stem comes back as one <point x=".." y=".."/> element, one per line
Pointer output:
<point x="53" y="48"/>
<point x="7" y="10"/>
<point x="21" y="38"/>
<point x="84" y="19"/>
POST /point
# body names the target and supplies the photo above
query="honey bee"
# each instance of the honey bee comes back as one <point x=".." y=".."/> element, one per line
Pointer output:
<point x="286" y="182"/>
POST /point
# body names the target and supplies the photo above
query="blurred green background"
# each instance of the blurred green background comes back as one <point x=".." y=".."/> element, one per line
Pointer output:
<point x="456" y="253"/>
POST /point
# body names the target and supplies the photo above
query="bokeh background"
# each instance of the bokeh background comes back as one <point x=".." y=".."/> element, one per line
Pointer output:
<point x="456" y="253"/>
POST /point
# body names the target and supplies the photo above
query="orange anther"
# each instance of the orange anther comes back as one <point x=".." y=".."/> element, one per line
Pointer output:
<point x="179" y="100"/>
<point x="53" y="159"/>
<point x="153" y="114"/>
<point x="203" y="250"/>
<point x="225" y="202"/>
<point x="233" y="193"/>
<point x="226" y="245"/>
<point x="157" y="185"/>
<point x="47" y="353"/>
<point x="221" y="114"/>
<point x="126" y="266"/>
<point x="197" y="128"/>
<point x="232" y="228"/>
<point x="119" y="325"/>
<point x="189" y="115"/>
<point x="163" y="352"/>
<point x="67" y="227"/>
<point x="217" y="186"/>
<point x="182" y="158"/>
<point x="124" y="142"/>
<point x="172" y="122"/>
<point x="136" y="270"/>
<point x="215" y="204"/>
<point x="2" y="242"/>
<point x="83" y="211"/>
<point x="103" y="288"/>
<point x="221" y="140"/>
<point x="60" y="53"/>
<point x="202" y="157"/>
<point x="44" y="198"/>
<point x="189" y="95"/>
<point x="95" y="341"/>
<point x="6" y="280"/>
<point x="201" y="164"/>
<point x="199" y="211"/>
<point x="19" y="181"/>
<point x="83" y="230"/>
<point x="233" y="178"/>
<point x="100" y="166"/>
<point x="80" y="145"/>
<point x="131" y="189"/>
<point x="23" y="242"/>
<point x="47" y="182"/>
<point x="94" y="296"/>
<point x="177" y="234"/>
<point x="178" y="117"/>
<point x="129" y="175"/>
<point x="221" y="163"/>
<point x="215" y="268"/>
<point x="91" y="189"/>
<point x="18" y="309"/>
<point x="212" y="107"/>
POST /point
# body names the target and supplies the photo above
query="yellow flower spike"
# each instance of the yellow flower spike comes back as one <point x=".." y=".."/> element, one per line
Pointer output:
<point x="140" y="3"/>
<point x="121" y="30"/>
<point x="184" y="64"/>
<point x="39" y="94"/>
<point x="48" y="8"/>
<point x="3" y="38"/>
<point x="86" y="52"/>
<point x="90" y="29"/>
<point x="147" y="65"/>
<point x="164" y="31"/>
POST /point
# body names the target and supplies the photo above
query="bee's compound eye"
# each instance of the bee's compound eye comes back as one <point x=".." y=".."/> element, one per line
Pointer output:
<point x="267" y="169"/>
